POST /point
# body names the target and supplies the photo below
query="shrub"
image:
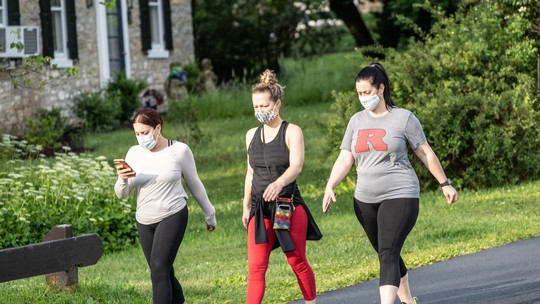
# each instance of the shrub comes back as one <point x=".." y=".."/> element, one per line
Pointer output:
<point x="69" y="189"/>
<point x="109" y="109"/>
<point x="50" y="130"/>
<point x="96" y="113"/>
<point x="182" y="113"/>
<point x="344" y="106"/>
<point x="11" y="148"/>
<point x="192" y="72"/>
<point x="125" y="93"/>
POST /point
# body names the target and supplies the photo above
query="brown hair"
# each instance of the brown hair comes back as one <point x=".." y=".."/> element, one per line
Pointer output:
<point x="268" y="83"/>
<point x="149" y="117"/>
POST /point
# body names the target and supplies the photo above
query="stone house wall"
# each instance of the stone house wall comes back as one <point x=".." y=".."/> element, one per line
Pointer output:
<point x="18" y="104"/>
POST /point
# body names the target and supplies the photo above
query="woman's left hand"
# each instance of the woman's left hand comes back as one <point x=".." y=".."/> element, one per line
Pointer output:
<point x="450" y="194"/>
<point x="272" y="192"/>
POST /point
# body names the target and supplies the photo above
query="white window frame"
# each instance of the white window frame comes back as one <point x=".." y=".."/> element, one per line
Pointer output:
<point x="103" y="44"/>
<point x="61" y="59"/>
<point x="3" y="12"/>
<point x="158" y="49"/>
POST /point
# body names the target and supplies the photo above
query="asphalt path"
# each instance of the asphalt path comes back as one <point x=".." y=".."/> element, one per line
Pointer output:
<point x="509" y="274"/>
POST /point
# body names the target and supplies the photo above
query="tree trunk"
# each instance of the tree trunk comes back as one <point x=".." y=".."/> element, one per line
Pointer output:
<point x="348" y="12"/>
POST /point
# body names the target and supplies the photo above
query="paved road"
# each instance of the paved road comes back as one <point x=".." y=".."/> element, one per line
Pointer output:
<point x="509" y="274"/>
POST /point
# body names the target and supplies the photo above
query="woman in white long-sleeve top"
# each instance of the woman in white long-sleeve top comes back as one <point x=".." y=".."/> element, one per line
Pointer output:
<point x="155" y="169"/>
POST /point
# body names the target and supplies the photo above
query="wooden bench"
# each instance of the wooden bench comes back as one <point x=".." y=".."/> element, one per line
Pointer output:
<point x="58" y="257"/>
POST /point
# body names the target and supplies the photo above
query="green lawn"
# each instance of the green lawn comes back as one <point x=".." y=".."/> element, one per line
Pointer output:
<point x="213" y="266"/>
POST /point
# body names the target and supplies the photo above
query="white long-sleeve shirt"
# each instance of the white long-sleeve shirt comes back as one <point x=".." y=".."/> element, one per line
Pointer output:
<point x="158" y="183"/>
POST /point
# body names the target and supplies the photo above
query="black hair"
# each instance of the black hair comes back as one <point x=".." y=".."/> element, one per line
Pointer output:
<point x="377" y="75"/>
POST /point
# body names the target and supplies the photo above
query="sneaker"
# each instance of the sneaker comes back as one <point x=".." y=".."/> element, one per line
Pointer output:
<point x="413" y="301"/>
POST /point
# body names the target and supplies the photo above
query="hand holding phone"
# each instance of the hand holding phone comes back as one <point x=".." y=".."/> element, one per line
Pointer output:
<point x="329" y="197"/>
<point x="123" y="168"/>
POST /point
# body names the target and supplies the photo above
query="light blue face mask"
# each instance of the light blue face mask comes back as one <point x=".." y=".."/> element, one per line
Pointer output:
<point x="147" y="141"/>
<point x="369" y="102"/>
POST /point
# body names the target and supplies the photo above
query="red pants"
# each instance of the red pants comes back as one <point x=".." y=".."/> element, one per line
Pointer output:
<point x="259" y="254"/>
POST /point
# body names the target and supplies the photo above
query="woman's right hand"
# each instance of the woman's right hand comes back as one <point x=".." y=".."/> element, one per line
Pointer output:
<point x="329" y="197"/>
<point x="124" y="173"/>
<point x="245" y="217"/>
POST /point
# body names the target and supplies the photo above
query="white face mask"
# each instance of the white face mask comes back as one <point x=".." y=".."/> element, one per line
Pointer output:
<point x="147" y="141"/>
<point x="369" y="102"/>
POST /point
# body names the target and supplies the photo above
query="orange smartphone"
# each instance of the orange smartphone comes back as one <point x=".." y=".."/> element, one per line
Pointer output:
<point x="123" y="163"/>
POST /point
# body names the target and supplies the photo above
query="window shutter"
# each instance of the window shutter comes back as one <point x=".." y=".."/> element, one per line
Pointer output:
<point x="46" y="27"/>
<point x="14" y="16"/>
<point x="146" y="38"/>
<point x="72" y="30"/>
<point x="167" y="25"/>
<point x="2" y="40"/>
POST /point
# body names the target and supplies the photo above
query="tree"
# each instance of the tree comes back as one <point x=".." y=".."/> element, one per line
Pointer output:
<point x="242" y="38"/>
<point x="347" y="11"/>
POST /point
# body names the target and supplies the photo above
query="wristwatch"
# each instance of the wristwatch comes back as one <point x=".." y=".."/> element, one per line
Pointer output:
<point x="446" y="183"/>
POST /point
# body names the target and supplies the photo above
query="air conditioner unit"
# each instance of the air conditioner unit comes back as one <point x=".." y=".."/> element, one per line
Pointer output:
<point x="25" y="36"/>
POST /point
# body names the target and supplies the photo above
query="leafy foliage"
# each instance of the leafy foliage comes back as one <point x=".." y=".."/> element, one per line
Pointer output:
<point x="125" y="93"/>
<point x="111" y="108"/>
<point x="49" y="129"/>
<point x="69" y="189"/>
<point x="182" y="112"/>
<point x="260" y="33"/>
<point x="401" y="19"/>
<point x="343" y="107"/>
<point x="95" y="112"/>
<point x="36" y="72"/>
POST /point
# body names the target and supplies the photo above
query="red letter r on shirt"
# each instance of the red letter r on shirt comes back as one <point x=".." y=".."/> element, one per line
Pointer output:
<point x="373" y="136"/>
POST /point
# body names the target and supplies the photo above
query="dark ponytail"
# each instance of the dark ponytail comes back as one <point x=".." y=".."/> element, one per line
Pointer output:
<point x="377" y="75"/>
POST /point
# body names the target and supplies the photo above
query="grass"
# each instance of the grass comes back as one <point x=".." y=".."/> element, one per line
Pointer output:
<point x="212" y="267"/>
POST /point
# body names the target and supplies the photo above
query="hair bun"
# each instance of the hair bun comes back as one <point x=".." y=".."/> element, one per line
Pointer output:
<point x="268" y="77"/>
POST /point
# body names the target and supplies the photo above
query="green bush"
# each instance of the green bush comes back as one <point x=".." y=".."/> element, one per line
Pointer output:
<point x="125" y="92"/>
<point x="11" y="148"/>
<point x="109" y="109"/>
<point x="192" y="72"/>
<point x="96" y="113"/>
<point x="68" y="189"/>
<point x="182" y="112"/>
<point x="50" y="130"/>
<point x="472" y="85"/>
<point x="344" y="106"/>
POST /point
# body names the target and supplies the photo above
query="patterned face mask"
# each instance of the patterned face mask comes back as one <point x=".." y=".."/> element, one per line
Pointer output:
<point x="265" y="117"/>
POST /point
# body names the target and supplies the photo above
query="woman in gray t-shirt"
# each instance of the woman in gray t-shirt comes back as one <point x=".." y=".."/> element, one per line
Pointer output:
<point x="386" y="196"/>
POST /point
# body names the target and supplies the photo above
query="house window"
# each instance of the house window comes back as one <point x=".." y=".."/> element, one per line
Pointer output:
<point x="156" y="31"/>
<point x="58" y="18"/>
<point x="59" y="31"/>
<point x="3" y="13"/>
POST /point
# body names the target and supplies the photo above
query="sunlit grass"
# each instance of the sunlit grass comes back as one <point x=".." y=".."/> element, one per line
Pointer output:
<point x="212" y="267"/>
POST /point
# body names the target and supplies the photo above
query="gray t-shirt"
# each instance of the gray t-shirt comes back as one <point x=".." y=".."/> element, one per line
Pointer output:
<point x="379" y="146"/>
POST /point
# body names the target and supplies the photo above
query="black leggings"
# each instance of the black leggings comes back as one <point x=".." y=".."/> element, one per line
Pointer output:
<point x="160" y="243"/>
<point x="387" y="224"/>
